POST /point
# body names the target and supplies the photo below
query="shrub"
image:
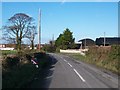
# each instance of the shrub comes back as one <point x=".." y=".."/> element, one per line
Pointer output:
<point x="10" y="62"/>
<point x="58" y="49"/>
<point x="107" y="57"/>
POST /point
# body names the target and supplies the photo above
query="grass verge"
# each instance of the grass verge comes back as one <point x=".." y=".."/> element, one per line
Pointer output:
<point x="107" y="58"/>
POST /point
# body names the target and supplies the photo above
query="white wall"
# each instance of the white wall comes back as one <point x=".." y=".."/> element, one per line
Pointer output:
<point x="72" y="51"/>
<point x="6" y="48"/>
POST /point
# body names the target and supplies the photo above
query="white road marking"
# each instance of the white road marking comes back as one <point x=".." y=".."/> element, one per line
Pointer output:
<point x="69" y="64"/>
<point x="79" y="75"/>
<point x="65" y="60"/>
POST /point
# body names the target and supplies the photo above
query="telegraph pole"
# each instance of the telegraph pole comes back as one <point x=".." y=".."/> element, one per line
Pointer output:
<point x="104" y="39"/>
<point x="39" y="29"/>
<point x="53" y="40"/>
<point x="53" y="37"/>
<point x="85" y="43"/>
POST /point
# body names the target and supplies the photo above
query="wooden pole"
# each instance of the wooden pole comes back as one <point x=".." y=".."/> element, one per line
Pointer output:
<point x="39" y="30"/>
<point x="104" y="39"/>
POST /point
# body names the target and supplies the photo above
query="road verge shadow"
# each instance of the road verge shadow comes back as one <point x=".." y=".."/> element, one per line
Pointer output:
<point x="44" y="76"/>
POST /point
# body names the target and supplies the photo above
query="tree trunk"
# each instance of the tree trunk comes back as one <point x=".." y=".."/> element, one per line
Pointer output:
<point x="32" y="44"/>
<point x="17" y="40"/>
<point x="20" y="44"/>
<point x="20" y="40"/>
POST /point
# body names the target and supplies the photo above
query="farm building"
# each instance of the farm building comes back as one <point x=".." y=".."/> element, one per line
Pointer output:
<point x="108" y="41"/>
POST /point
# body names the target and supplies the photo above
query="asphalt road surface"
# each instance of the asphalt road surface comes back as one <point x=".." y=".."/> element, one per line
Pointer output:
<point x="70" y="73"/>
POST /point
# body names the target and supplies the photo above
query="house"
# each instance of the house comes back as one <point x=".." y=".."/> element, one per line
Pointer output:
<point x="108" y="41"/>
<point x="37" y="45"/>
<point x="11" y="46"/>
<point x="86" y="43"/>
<point x="2" y="46"/>
<point x="6" y="47"/>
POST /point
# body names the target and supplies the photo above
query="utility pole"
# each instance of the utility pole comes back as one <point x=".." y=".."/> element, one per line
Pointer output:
<point x="81" y="45"/>
<point x="39" y="29"/>
<point x="85" y="43"/>
<point x="53" y="40"/>
<point x="104" y="39"/>
<point x="53" y="37"/>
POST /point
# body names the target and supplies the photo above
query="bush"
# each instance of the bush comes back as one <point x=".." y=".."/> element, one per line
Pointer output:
<point x="18" y="76"/>
<point x="15" y="73"/>
<point x="49" y="48"/>
<point x="107" y="57"/>
<point x="58" y="49"/>
<point x="10" y="62"/>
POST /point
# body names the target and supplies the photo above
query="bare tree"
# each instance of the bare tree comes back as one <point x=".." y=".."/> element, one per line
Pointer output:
<point x="18" y="27"/>
<point x="31" y="35"/>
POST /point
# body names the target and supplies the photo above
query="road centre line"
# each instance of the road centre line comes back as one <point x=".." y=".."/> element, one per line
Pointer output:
<point x="70" y="65"/>
<point x="75" y="71"/>
<point x="65" y="60"/>
<point x="79" y="75"/>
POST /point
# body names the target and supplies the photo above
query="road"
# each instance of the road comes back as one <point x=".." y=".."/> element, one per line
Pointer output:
<point x="70" y="73"/>
<point x="0" y="78"/>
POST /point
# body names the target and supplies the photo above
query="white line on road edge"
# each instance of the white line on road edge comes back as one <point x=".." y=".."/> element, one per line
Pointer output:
<point x="69" y="64"/>
<point x="79" y="75"/>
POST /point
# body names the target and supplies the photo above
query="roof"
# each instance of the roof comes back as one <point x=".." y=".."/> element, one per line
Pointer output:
<point x="87" y="39"/>
<point x="108" y="40"/>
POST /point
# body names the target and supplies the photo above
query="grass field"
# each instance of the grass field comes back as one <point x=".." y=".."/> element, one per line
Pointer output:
<point x="5" y="52"/>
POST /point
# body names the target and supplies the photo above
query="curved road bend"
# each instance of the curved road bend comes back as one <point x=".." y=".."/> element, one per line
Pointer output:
<point x="70" y="73"/>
